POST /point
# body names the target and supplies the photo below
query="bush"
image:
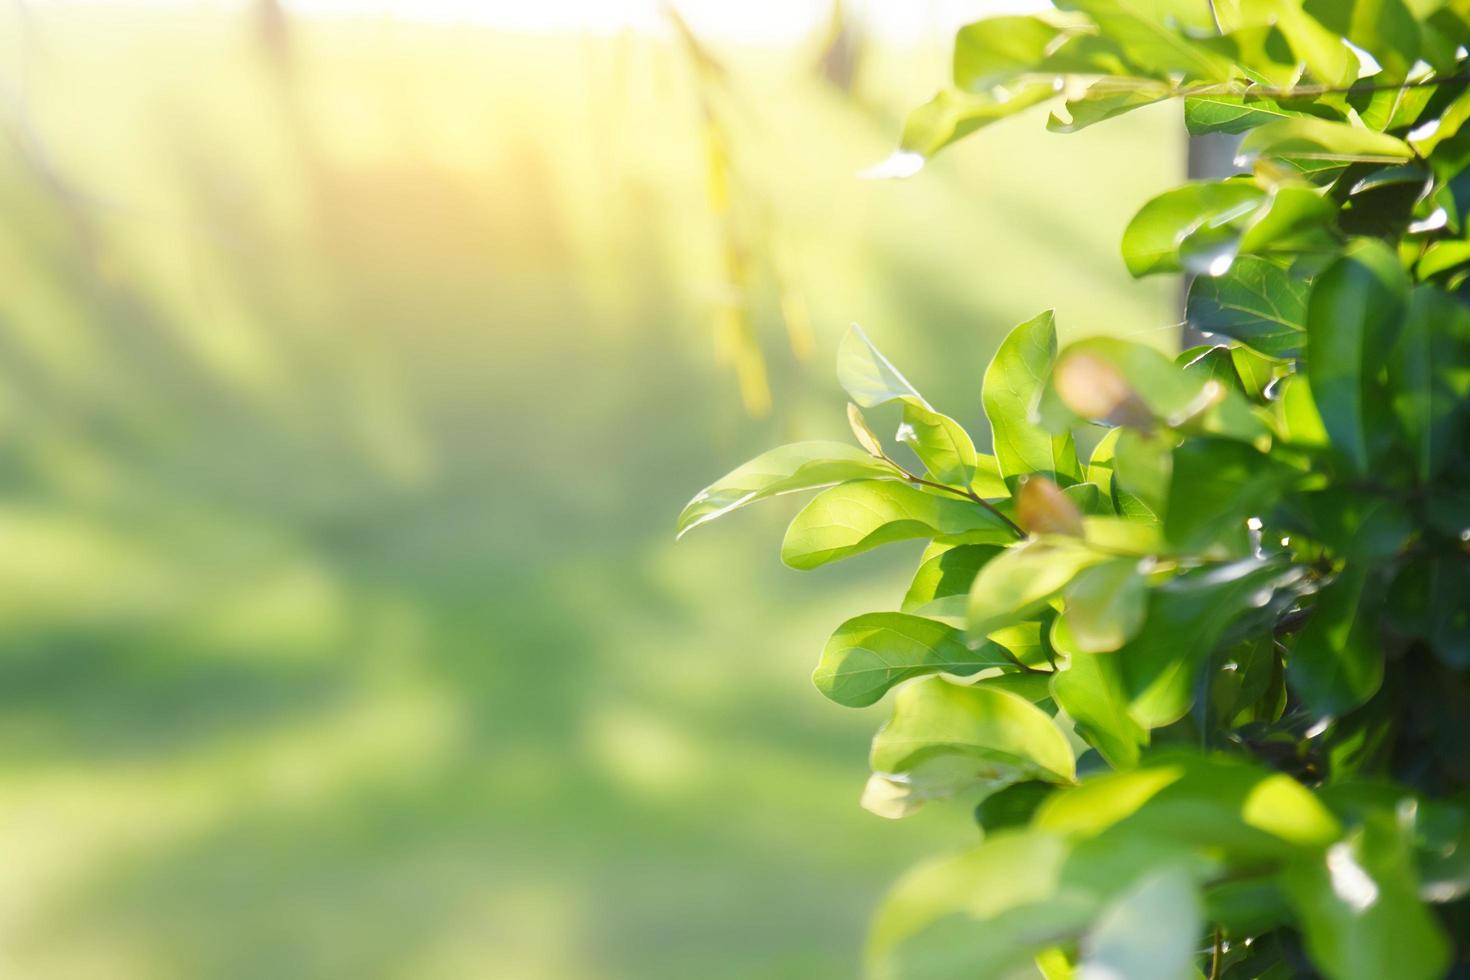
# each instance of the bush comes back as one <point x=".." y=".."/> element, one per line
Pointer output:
<point x="1206" y="681"/>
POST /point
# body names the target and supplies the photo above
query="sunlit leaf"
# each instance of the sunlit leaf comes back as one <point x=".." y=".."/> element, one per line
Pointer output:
<point x="869" y="654"/>
<point x="855" y="517"/>
<point x="1013" y="383"/>
<point x="799" y="466"/>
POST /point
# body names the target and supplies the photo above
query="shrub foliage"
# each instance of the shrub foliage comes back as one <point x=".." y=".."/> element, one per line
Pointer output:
<point x="1193" y="636"/>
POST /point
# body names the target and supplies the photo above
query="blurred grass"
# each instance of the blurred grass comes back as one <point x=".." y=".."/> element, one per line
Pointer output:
<point x="347" y="397"/>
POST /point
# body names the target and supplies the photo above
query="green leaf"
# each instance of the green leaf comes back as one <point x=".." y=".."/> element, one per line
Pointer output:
<point x="1122" y="383"/>
<point x="869" y="654"/>
<point x="1153" y="238"/>
<point x="869" y="378"/>
<point x="1348" y="522"/>
<point x="1154" y="43"/>
<point x="1385" y="29"/>
<point x="1011" y="874"/>
<point x="995" y="50"/>
<point x="952" y="115"/>
<point x="1105" y="605"/>
<point x="1008" y="737"/>
<point x="1336" y="663"/>
<point x="1297" y="417"/>
<point x="1012" y="806"/>
<point x="1427" y="600"/>
<point x="1013" y="383"/>
<point x="1218" y="803"/>
<point x="940" y="442"/>
<point x="1105" y="99"/>
<point x="1429" y="377"/>
<point x="1256" y="371"/>
<point x="1141" y="475"/>
<point x="1360" y="911"/>
<point x="1310" y="138"/>
<point x="799" y="466"/>
<point x="1100" y="464"/>
<point x="1325" y="55"/>
<point x="855" y="517"/>
<point x="946" y="575"/>
<point x="1215" y="486"/>
<point x="1230" y="113"/>
<point x="1021" y="583"/>
<point x="1091" y="691"/>
<point x="1353" y="317"/>
<point x="1150" y="932"/>
<point x="1186" y="619"/>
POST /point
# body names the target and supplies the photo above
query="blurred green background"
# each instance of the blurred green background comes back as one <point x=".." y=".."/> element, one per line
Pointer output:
<point x="352" y="373"/>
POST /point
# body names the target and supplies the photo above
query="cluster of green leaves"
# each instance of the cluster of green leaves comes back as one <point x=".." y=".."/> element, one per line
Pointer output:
<point x="1206" y="680"/>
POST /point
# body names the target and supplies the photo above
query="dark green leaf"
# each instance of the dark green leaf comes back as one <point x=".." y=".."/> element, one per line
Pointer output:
<point x="1186" y="619"/>
<point x="1429" y="377"/>
<point x="1353" y="317"/>
<point x="1216" y="485"/>
<point x="1256" y="302"/>
<point x="1336" y="663"/>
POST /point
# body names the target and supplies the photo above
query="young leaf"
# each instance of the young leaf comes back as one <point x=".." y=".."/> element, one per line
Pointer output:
<point x="1256" y="302"/>
<point x="1353" y="316"/>
<point x="869" y="654"/>
<point x="1005" y="733"/>
<point x="1013" y="382"/>
<point x="952" y="115"/>
<point x="866" y="375"/>
<point x="855" y="517"/>
<point x="1123" y="383"/>
<point x="1336" y="663"/>
<point x="940" y="442"/>
<point x="1042" y="508"/>
<point x="862" y="433"/>
<point x="799" y="466"/>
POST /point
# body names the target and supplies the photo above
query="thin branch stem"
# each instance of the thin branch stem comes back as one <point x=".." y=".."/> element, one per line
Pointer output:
<point x="966" y="493"/>
<point x="1216" y="957"/>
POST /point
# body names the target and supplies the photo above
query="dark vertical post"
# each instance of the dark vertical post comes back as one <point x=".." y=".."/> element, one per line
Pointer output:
<point x="1210" y="156"/>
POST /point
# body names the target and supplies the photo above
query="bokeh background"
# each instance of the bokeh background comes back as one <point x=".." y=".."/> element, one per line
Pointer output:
<point x="355" y="360"/>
